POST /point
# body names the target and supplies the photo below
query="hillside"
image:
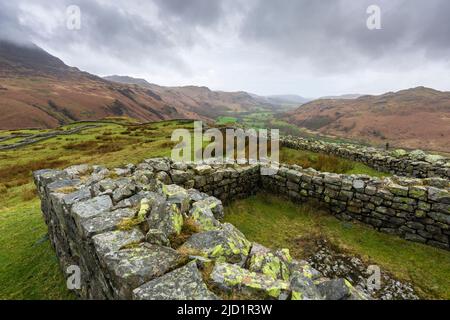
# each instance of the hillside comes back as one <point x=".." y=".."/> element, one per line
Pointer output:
<point x="37" y="90"/>
<point x="201" y="100"/>
<point x="413" y="118"/>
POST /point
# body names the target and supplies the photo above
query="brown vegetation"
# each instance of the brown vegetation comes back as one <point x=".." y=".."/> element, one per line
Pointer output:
<point x="414" y="118"/>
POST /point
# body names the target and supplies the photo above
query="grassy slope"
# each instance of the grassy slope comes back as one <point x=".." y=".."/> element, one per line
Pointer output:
<point x="326" y="163"/>
<point x="278" y="223"/>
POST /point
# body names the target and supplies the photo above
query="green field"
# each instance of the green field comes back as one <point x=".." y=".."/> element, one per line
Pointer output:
<point x="268" y="120"/>
<point x="226" y="120"/>
<point x="276" y="223"/>
<point x="28" y="266"/>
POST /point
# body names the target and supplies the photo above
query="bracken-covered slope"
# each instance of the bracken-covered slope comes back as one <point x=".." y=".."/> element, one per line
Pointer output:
<point x="201" y="100"/>
<point x="413" y="118"/>
<point x="37" y="90"/>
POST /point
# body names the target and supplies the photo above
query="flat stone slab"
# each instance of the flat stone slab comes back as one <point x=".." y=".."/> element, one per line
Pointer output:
<point x="105" y="222"/>
<point x="131" y="268"/>
<point x="225" y="245"/>
<point x="92" y="207"/>
<point x="185" y="283"/>
<point x="230" y="277"/>
<point x="115" y="240"/>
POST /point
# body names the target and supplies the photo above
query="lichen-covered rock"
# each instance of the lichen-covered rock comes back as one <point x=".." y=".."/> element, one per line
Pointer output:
<point x="225" y="245"/>
<point x="159" y="164"/>
<point x="303" y="287"/>
<point x="339" y="289"/>
<point x="203" y="170"/>
<point x="269" y="264"/>
<point x="433" y="158"/>
<point x="184" y="283"/>
<point x="124" y="191"/>
<point x="78" y="170"/>
<point x="196" y="195"/>
<point x="115" y="240"/>
<point x="305" y="270"/>
<point x="105" y="222"/>
<point x="258" y="248"/>
<point x="334" y="289"/>
<point x="399" y="153"/>
<point x="440" y="217"/>
<point x="230" y="277"/>
<point x="417" y="155"/>
<point x="90" y="208"/>
<point x="163" y="177"/>
<point x="169" y="220"/>
<point x="439" y="195"/>
<point x="215" y="205"/>
<point x="131" y="268"/>
<point x="202" y="216"/>
<point x="177" y="195"/>
<point x="158" y="237"/>
<point x="134" y="200"/>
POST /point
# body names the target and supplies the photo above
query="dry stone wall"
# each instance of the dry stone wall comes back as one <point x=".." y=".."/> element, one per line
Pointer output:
<point x="410" y="208"/>
<point x="399" y="162"/>
<point x="150" y="231"/>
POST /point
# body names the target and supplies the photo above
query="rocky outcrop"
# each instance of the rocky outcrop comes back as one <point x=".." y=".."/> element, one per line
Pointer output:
<point x="134" y="237"/>
<point x="416" y="164"/>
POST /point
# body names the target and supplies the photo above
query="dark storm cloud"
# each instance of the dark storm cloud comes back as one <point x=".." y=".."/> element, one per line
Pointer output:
<point x="334" y="33"/>
<point x="331" y="33"/>
<point x="278" y="46"/>
<point x="122" y="30"/>
<point x="193" y="12"/>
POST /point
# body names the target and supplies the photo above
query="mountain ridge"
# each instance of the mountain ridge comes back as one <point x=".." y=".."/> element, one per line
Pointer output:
<point x="39" y="90"/>
<point x="411" y="118"/>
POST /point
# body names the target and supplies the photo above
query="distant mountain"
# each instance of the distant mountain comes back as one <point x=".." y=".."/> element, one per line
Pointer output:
<point x="127" y="80"/>
<point x="344" y="97"/>
<point x="289" y="99"/>
<point x="38" y="90"/>
<point x="283" y="102"/>
<point x="201" y="100"/>
<point x="413" y="118"/>
<point x="29" y="60"/>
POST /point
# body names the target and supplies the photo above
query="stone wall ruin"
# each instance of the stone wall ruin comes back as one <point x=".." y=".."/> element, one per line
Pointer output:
<point x="400" y="162"/>
<point x="153" y="231"/>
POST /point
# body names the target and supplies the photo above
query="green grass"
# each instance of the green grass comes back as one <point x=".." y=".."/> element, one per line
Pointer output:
<point x="326" y="163"/>
<point x="28" y="265"/>
<point x="277" y="223"/>
<point x="226" y="120"/>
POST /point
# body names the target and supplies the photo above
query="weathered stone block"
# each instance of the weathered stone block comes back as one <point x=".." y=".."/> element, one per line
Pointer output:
<point x="185" y="283"/>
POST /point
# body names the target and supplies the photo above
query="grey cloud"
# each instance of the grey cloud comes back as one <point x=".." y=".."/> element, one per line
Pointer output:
<point x="193" y="12"/>
<point x="183" y="41"/>
<point x="333" y="34"/>
<point x="114" y="32"/>
<point x="10" y="28"/>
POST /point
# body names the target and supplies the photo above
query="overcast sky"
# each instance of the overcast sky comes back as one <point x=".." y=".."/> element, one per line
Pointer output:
<point x="306" y="47"/>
